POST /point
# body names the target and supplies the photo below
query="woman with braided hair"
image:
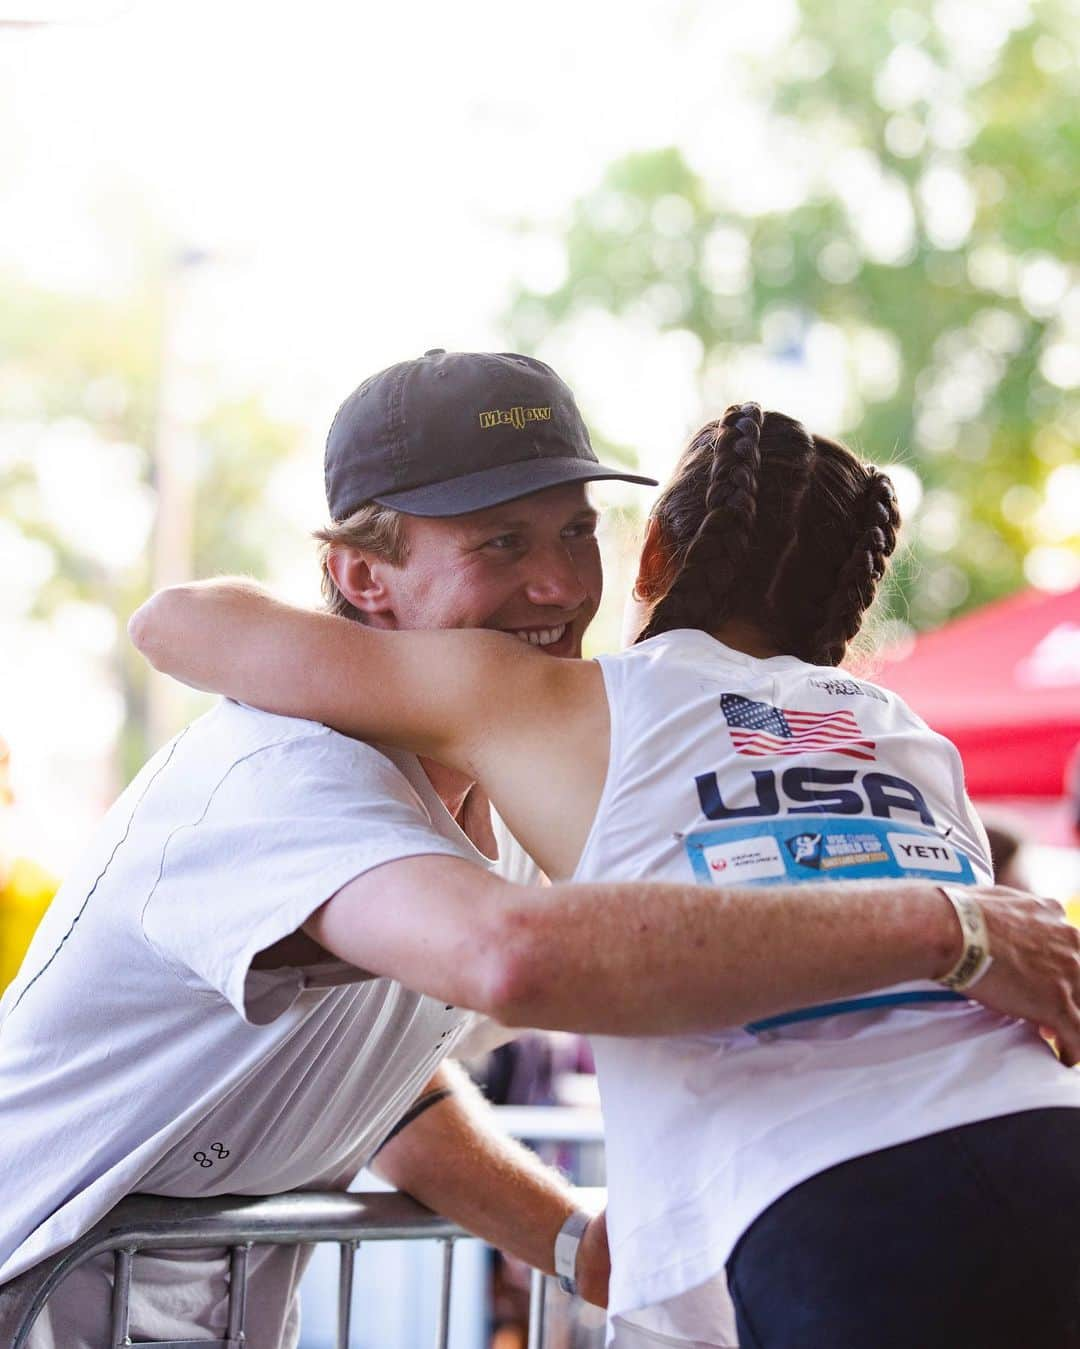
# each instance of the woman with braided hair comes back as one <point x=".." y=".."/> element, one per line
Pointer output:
<point x="897" y="1169"/>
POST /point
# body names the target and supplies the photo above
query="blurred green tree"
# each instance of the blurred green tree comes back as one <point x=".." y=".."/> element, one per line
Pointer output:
<point x="84" y="438"/>
<point x="930" y="155"/>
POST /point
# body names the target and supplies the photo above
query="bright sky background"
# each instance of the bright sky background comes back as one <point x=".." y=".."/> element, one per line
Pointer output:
<point x="359" y="176"/>
<point x="359" y="172"/>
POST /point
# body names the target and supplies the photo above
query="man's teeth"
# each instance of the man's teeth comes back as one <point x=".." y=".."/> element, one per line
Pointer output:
<point x="542" y="636"/>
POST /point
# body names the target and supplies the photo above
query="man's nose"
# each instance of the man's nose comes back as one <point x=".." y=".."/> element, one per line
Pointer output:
<point x="554" y="580"/>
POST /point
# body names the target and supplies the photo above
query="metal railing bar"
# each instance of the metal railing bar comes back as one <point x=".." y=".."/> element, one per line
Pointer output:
<point x="185" y="1344"/>
<point x="442" y="1329"/>
<point x="121" y="1295"/>
<point x="537" y="1308"/>
<point x="148" y="1222"/>
<point x="345" y="1291"/>
<point x="151" y="1222"/>
<point x="238" y="1268"/>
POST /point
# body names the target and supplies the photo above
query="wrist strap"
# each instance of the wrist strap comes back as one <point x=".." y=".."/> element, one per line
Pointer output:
<point x="566" y="1249"/>
<point x="975" y="959"/>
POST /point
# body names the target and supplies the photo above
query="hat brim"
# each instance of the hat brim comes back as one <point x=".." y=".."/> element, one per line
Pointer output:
<point x="504" y="482"/>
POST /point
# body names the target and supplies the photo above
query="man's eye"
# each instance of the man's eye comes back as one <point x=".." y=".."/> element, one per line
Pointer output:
<point x="584" y="529"/>
<point x="504" y="542"/>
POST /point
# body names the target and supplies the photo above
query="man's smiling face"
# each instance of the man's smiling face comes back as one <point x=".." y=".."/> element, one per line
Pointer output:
<point x="530" y="566"/>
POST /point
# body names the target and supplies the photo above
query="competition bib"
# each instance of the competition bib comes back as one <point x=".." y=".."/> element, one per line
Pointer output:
<point x="788" y="849"/>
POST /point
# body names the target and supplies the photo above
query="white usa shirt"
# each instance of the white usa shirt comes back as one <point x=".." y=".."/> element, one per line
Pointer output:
<point x="139" y="1049"/>
<point x="734" y="770"/>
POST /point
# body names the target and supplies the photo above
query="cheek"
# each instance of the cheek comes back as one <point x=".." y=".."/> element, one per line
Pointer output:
<point x="426" y="597"/>
<point x="490" y="587"/>
<point x="467" y="593"/>
<point x="591" y="572"/>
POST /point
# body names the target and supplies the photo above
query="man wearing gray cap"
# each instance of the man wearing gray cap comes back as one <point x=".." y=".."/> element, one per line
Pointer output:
<point x="455" y="432"/>
<point x="180" y="1025"/>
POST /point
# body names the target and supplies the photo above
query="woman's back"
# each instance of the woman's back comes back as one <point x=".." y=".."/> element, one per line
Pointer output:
<point x="736" y="770"/>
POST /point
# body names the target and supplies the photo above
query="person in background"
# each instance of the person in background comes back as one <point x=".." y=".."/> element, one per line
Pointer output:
<point x="1006" y="851"/>
<point x="26" y="887"/>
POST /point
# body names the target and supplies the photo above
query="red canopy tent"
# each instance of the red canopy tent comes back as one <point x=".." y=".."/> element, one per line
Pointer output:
<point x="1003" y="683"/>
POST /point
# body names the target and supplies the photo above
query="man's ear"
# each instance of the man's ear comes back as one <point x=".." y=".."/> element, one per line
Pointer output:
<point x="655" y="568"/>
<point x="360" y="576"/>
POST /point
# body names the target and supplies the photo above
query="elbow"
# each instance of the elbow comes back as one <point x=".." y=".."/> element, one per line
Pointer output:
<point x="143" y="625"/>
<point x="148" y="624"/>
<point x="517" y="986"/>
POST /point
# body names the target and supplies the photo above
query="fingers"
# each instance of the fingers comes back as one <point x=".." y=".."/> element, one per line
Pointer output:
<point x="992" y="892"/>
<point x="1063" y="1018"/>
<point x="1067" y="1044"/>
<point x="1036" y="972"/>
<point x="1067" y="1029"/>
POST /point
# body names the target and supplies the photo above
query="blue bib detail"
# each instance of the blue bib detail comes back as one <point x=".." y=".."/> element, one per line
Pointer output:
<point x="784" y="849"/>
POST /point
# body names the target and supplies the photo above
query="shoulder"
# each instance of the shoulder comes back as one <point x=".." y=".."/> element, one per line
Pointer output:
<point x="681" y="654"/>
<point x="237" y="749"/>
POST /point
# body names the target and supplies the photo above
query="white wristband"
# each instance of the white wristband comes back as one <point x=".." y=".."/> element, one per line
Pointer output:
<point x="566" y="1249"/>
<point x="975" y="959"/>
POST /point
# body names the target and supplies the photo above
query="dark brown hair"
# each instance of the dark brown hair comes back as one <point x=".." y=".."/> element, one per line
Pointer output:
<point x="765" y="522"/>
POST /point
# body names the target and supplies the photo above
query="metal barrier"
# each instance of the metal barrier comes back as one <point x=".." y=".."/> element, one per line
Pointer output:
<point x="146" y="1222"/>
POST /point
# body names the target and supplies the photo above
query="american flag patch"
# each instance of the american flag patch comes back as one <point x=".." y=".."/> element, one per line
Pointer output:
<point x="760" y="728"/>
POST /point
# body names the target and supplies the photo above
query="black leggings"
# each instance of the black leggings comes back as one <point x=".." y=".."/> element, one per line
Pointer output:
<point x="967" y="1239"/>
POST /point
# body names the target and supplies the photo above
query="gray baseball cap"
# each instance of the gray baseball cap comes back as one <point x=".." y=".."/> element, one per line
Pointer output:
<point x="457" y="431"/>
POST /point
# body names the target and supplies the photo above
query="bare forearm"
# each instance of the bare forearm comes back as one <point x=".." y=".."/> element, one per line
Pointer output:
<point x="454" y="1159"/>
<point x="657" y="959"/>
<point x="644" y="958"/>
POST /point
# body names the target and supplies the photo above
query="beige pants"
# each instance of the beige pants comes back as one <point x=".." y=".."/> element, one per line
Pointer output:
<point x="177" y="1296"/>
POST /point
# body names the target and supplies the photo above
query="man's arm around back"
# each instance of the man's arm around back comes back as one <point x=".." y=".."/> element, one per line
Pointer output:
<point x="655" y="958"/>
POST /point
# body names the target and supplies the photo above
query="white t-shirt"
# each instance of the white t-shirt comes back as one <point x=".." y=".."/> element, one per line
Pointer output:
<point x="139" y="1050"/>
<point x="734" y="770"/>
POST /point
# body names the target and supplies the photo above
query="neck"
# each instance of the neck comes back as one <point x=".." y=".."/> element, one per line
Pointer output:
<point x="466" y="802"/>
<point x="743" y="635"/>
<point x="452" y="786"/>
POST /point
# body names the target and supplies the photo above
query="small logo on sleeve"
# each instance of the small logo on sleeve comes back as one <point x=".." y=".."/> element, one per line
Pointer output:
<point x="848" y="688"/>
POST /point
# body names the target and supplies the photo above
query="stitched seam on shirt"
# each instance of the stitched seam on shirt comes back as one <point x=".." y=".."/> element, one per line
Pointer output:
<point x="174" y="969"/>
<point x="89" y="895"/>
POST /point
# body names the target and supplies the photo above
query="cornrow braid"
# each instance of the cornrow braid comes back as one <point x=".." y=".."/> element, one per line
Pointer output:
<point x="702" y="593"/>
<point x="857" y="581"/>
<point x="781" y="572"/>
